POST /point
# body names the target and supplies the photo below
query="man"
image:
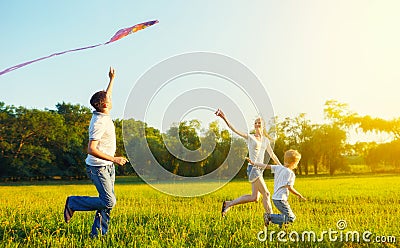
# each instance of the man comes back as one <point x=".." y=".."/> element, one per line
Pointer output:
<point x="99" y="163"/>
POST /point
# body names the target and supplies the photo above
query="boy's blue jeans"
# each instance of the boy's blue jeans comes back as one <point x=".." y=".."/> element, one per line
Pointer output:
<point x="286" y="215"/>
<point x="103" y="177"/>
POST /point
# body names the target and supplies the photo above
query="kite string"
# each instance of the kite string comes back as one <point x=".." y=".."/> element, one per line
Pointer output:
<point x="120" y="34"/>
<point x="46" y="57"/>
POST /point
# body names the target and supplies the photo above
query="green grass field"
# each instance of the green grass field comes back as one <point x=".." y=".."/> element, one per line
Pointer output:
<point x="31" y="215"/>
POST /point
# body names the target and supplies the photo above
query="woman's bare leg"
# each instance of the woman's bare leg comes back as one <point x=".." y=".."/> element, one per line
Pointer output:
<point x="266" y="196"/>
<point x="255" y="195"/>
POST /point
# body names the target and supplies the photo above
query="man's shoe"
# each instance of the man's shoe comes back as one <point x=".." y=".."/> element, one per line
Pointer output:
<point x="68" y="212"/>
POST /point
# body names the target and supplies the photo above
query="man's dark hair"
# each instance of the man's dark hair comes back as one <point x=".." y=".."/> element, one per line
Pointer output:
<point x="98" y="99"/>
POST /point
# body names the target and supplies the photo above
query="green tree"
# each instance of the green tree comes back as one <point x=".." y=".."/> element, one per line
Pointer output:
<point x="305" y="147"/>
<point x="188" y="134"/>
<point x="386" y="154"/>
<point x="134" y="140"/>
<point x="27" y="136"/>
<point x="369" y="124"/>
<point x="335" y="134"/>
<point x="331" y="140"/>
<point x="71" y="149"/>
<point x="296" y="133"/>
<point x="339" y="113"/>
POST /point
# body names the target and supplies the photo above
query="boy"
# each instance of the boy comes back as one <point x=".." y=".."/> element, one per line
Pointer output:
<point x="99" y="163"/>
<point x="284" y="178"/>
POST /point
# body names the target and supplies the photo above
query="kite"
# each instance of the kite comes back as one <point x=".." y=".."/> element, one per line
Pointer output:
<point x="118" y="35"/>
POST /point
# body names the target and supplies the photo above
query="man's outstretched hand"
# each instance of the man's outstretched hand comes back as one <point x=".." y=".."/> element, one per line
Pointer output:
<point x="120" y="160"/>
<point x="111" y="73"/>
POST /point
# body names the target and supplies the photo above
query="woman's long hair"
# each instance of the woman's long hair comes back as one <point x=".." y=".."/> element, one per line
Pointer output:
<point x="264" y="130"/>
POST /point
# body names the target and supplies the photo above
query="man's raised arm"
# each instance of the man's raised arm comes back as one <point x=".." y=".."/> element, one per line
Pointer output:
<point x="111" y="75"/>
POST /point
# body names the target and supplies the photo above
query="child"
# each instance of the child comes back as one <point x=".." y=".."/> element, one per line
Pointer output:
<point x="284" y="178"/>
<point x="99" y="163"/>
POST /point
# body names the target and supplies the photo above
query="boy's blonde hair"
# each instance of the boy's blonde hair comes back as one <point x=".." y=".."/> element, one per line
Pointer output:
<point x="291" y="156"/>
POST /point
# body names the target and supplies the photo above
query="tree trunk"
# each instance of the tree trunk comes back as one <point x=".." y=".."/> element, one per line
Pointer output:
<point x="299" y="169"/>
<point x="315" y="166"/>
<point x="306" y="166"/>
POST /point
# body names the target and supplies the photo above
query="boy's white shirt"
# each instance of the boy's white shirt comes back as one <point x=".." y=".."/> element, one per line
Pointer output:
<point x="283" y="177"/>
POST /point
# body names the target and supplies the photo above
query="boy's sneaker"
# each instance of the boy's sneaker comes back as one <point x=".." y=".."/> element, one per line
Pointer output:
<point x="68" y="212"/>
<point x="267" y="219"/>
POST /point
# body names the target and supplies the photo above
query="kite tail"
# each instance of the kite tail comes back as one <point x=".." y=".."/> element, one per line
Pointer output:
<point x="119" y="35"/>
<point x="46" y="57"/>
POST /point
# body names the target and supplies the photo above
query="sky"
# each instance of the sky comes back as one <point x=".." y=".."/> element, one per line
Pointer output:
<point x="303" y="52"/>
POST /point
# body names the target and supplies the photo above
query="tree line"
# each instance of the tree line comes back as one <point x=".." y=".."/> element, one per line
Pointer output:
<point x="52" y="143"/>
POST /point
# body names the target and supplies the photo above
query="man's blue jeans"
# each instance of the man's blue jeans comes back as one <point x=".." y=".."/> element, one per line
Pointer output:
<point x="103" y="177"/>
<point x="286" y="215"/>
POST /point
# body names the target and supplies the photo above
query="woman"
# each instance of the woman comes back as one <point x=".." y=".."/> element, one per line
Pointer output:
<point x="257" y="144"/>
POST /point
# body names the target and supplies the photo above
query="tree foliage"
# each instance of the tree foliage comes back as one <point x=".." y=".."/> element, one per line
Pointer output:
<point x="42" y="143"/>
<point x="45" y="143"/>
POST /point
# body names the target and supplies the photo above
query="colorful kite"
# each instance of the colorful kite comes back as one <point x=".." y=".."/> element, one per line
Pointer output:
<point x="118" y="35"/>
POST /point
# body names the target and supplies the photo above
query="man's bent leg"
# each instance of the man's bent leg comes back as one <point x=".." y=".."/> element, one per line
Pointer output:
<point x="103" y="178"/>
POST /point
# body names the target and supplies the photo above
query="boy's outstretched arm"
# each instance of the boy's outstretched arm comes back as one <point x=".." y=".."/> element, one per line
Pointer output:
<point x="295" y="192"/>
<point x="111" y="75"/>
